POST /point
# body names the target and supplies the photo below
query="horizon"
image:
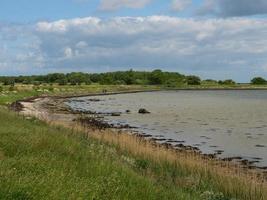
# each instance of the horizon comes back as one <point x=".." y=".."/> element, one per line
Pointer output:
<point x="213" y="39"/>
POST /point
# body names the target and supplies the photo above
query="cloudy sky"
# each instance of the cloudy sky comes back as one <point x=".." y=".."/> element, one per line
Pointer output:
<point x="211" y="38"/>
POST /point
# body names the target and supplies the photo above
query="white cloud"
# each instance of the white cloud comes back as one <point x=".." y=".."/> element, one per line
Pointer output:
<point x="180" y="5"/>
<point x="188" y="45"/>
<point x="111" y="5"/>
<point x="68" y="52"/>
<point x="215" y="48"/>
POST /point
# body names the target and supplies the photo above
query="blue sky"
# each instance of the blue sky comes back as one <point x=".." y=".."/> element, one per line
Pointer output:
<point x="26" y="11"/>
<point x="211" y="38"/>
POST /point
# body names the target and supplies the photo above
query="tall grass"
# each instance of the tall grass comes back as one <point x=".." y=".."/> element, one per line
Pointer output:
<point x="186" y="169"/>
<point x="38" y="161"/>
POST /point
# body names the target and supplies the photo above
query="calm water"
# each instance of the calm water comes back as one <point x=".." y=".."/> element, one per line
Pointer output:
<point x="232" y="121"/>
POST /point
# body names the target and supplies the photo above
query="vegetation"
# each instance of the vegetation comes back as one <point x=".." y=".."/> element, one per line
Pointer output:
<point x="52" y="162"/>
<point x="157" y="77"/>
<point x="213" y="179"/>
<point x="193" y="80"/>
<point x="227" y="82"/>
<point x="258" y="81"/>
<point x="44" y="161"/>
<point x="38" y="161"/>
<point x="21" y="91"/>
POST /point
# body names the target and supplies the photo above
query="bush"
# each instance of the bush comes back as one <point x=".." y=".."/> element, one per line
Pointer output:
<point x="193" y="80"/>
<point x="9" y="81"/>
<point x="258" y="81"/>
<point x="227" y="82"/>
<point x="11" y="88"/>
<point x="63" y="81"/>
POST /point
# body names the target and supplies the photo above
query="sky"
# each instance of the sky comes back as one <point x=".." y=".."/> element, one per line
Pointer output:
<point x="214" y="39"/>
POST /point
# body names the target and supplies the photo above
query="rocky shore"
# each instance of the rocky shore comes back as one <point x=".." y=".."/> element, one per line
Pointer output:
<point x="56" y="110"/>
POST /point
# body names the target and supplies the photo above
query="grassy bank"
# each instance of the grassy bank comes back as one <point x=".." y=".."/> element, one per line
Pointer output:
<point x="9" y="94"/>
<point x="38" y="161"/>
<point x="44" y="161"/>
<point x="41" y="161"/>
<point x="187" y="170"/>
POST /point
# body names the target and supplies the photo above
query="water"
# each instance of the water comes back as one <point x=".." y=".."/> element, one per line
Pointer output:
<point x="234" y="122"/>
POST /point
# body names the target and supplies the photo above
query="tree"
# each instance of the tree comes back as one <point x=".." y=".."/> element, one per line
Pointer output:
<point x="76" y="78"/>
<point x="193" y="80"/>
<point x="258" y="81"/>
<point x="62" y="81"/>
<point x="9" y="81"/>
<point x="227" y="82"/>
<point x="156" y="77"/>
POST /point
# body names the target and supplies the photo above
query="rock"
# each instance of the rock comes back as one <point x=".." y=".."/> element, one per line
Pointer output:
<point x="259" y="146"/>
<point x="115" y="114"/>
<point x="127" y="111"/>
<point x="143" y="111"/>
<point x="245" y="162"/>
<point x="219" y="152"/>
<point x="94" y="100"/>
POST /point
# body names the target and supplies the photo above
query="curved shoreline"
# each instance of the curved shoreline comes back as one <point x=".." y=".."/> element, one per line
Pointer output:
<point x="52" y="108"/>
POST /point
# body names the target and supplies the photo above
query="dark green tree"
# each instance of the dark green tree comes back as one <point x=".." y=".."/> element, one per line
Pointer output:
<point x="258" y="81"/>
<point x="227" y="82"/>
<point x="156" y="77"/>
<point x="193" y="80"/>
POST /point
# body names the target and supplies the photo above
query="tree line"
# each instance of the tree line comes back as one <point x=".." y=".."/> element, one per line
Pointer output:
<point x="156" y="77"/>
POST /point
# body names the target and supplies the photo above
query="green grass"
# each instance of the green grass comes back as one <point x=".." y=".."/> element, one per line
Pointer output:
<point x="9" y="97"/>
<point x="21" y="91"/>
<point x="9" y="94"/>
<point x="38" y="161"/>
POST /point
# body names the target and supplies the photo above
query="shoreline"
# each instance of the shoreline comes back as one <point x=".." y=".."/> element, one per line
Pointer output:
<point x="53" y="109"/>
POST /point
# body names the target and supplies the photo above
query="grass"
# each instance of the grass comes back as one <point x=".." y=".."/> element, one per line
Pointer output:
<point x="44" y="161"/>
<point x="10" y="94"/>
<point x="38" y="161"/>
<point x="188" y="171"/>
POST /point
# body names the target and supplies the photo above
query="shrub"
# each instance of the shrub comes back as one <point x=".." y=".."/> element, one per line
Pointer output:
<point x="11" y="88"/>
<point x="227" y="82"/>
<point x="258" y="81"/>
<point x="193" y="80"/>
